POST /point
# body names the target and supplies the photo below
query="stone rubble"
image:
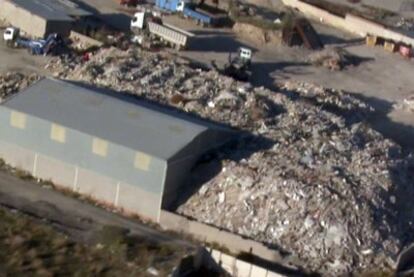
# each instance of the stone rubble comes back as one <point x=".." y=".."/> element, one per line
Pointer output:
<point x="12" y="83"/>
<point x="307" y="179"/>
<point x="407" y="104"/>
<point x="333" y="58"/>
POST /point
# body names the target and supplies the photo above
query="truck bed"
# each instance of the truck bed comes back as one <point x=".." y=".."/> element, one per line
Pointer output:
<point x="170" y="33"/>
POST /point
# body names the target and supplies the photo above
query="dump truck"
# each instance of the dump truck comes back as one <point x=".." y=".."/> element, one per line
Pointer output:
<point x="35" y="47"/>
<point x="238" y="67"/>
<point x="146" y="24"/>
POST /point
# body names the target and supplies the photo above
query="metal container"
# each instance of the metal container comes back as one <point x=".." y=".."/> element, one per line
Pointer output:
<point x="405" y="51"/>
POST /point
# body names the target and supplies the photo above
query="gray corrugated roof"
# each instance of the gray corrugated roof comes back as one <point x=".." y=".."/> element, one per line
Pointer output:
<point x="126" y="121"/>
<point x="52" y="9"/>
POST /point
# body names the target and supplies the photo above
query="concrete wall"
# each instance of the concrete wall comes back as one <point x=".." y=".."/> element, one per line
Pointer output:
<point x="101" y="188"/>
<point x="203" y="232"/>
<point x="85" y="40"/>
<point x="351" y="23"/>
<point x="363" y="27"/>
<point x="17" y="156"/>
<point x="31" y="23"/>
<point x="234" y="243"/>
<point x="26" y="21"/>
<point x="234" y="266"/>
<point x="61" y="27"/>
<point x="176" y="179"/>
<point x="317" y="13"/>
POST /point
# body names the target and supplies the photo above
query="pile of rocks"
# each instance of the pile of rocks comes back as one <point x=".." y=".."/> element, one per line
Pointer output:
<point x="308" y="180"/>
<point x="11" y="83"/>
<point x="333" y="58"/>
<point x="407" y="104"/>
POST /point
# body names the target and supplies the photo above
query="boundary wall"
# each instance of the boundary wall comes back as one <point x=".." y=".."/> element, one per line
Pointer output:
<point x="234" y="266"/>
<point x="234" y="243"/>
<point x="351" y="23"/>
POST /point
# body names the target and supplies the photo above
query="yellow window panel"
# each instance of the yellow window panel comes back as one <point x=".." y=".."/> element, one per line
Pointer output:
<point x="142" y="161"/>
<point x="58" y="133"/>
<point x="18" y="120"/>
<point x="100" y="147"/>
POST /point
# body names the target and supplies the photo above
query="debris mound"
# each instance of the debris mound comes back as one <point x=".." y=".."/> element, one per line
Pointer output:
<point x="11" y="83"/>
<point x="306" y="179"/>
<point x="407" y="104"/>
<point x="333" y="58"/>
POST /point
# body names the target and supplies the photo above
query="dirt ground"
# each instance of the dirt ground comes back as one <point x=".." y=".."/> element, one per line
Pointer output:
<point x="20" y="60"/>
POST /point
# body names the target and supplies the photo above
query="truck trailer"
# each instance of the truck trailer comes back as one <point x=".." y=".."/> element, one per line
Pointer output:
<point x="144" y="22"/>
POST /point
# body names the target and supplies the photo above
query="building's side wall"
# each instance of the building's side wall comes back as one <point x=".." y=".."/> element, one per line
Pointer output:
<point x="26" y="21"/>
<point x="180" y="166"/>
<point x="118" y="176"/>
<point x="176" y="179"/>
<point x="17" y="156"/>
<point x="61" y="27"/>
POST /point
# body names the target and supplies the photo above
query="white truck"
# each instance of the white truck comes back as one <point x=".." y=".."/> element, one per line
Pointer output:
<point x="145" y="23"/>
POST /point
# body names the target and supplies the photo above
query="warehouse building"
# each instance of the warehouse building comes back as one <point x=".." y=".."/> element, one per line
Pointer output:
<point x="39" y="18"/>
<point x="114" y="148"/>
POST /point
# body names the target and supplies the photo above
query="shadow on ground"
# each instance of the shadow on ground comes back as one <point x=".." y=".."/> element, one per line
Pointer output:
<point x="216" y="42"/>
<point x="267" y="74"/>
<point x="118" y="21"/>
<point x="328" y="39"/>
<point x="381" y="122"/>
<point x="210" y="165"/>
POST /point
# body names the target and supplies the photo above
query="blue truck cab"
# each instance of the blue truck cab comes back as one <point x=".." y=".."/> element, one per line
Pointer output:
<point x="169" y="5"/>
<point x="188" y="9"/>
<point x="201" y="18"/>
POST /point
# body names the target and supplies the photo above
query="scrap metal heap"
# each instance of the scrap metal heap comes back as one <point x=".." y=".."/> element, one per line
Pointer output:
<point x="311" y="178"/>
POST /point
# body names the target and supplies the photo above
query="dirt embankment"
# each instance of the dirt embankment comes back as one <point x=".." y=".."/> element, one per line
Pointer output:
<point x="258" y="35"/>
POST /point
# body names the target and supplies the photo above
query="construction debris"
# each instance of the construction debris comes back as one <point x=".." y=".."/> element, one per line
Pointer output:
<point x="311" y="178"/>
<point x="406" y="104"/>
<point x="333" y="58"/>
<point x="11" y="83"/>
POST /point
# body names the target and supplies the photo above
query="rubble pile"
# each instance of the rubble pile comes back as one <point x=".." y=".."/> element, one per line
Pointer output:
<point x="407" y="104"/>
<point x="307" y="180"/>
<point x="336" y="101"/>
<point x="11" y="83"/>
<point x="333" y="58"/>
